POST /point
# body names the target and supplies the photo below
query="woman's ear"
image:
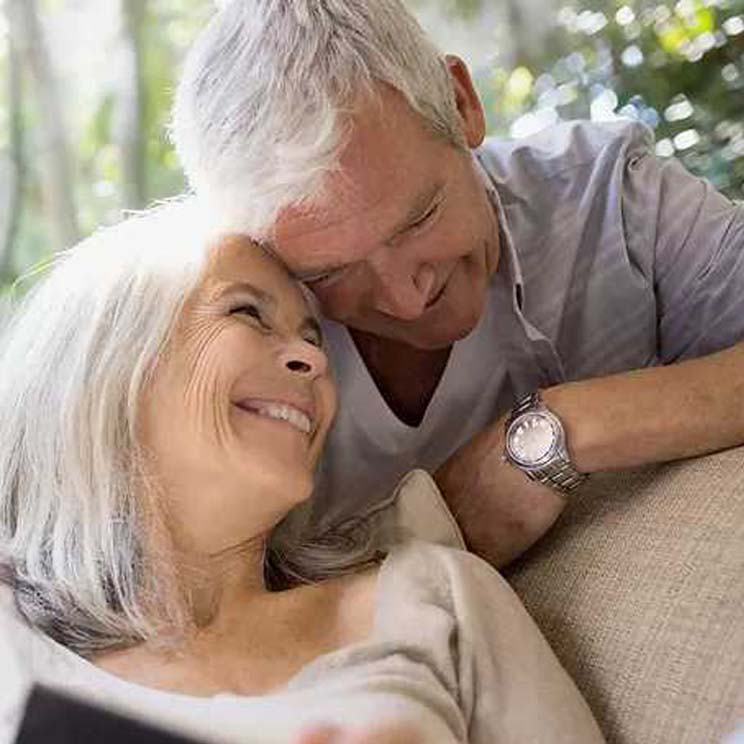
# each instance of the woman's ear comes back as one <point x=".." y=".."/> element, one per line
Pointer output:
<point x="467" y="100"/>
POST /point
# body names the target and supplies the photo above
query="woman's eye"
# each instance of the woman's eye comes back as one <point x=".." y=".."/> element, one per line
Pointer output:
<point x="250" y="310"/>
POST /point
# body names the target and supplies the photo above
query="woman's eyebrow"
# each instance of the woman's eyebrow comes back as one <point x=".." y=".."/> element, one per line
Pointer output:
<point x="260" y="294"/>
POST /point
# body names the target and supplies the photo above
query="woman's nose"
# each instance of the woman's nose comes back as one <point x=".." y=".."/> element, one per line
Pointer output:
<point x="304" y="359"/>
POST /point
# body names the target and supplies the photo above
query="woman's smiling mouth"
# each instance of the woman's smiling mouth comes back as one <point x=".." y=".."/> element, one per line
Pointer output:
<point x="279" y="411"/>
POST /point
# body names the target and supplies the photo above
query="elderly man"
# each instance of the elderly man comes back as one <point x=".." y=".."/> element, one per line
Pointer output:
<point x="512" y="316"/>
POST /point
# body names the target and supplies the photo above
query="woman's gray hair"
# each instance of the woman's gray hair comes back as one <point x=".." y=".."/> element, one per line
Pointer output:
<point x="263" y="110"/>
<point x="80" y="535"/>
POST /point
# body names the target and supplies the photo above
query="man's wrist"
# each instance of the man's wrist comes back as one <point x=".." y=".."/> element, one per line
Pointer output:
<point x="578" y="429"/>
<point x="535" y="444"/>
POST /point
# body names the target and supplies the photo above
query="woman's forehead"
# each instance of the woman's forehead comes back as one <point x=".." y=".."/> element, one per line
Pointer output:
<point x="236" y="259"/>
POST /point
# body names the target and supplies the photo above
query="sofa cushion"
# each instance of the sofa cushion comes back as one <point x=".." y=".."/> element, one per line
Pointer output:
<point x="640" y="590"/>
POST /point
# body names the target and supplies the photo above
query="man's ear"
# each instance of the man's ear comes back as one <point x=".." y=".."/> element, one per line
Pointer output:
<point x="468" y="102"/>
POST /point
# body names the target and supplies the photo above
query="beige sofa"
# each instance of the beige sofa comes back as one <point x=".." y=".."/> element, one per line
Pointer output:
<point x="640" y="590"/>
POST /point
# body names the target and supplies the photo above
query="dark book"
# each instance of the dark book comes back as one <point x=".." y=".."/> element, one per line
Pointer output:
<point x="53" y="718"/>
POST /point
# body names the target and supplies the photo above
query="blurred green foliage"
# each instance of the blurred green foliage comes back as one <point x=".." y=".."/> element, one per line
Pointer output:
<point x="169" y="27"/>
<point x="678" y="66"/>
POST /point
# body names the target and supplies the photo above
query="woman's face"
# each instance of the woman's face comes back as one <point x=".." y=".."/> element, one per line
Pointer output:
<point x="239" y="407"/>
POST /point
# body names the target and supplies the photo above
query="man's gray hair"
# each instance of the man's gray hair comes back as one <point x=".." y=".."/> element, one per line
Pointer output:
<point x="264" y="107"/>
<point x="83" y="541"/>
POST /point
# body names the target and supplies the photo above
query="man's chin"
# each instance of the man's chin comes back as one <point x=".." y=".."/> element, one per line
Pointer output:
<point x="455" y="327"/>
<point x="438" y="343"/>
<point x="426" y="334"/>
<point x="431" y="339"/>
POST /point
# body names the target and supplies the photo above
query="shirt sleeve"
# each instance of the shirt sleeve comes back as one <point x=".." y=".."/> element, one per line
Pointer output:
<point x="691" y="239"/>
<point x="512" y="687"/>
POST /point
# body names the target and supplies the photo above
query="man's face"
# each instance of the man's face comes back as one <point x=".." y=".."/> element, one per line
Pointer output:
<point x="406" y="238"/>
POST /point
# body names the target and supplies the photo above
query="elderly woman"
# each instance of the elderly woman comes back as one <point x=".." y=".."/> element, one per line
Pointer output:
<point x="164" y="399"/>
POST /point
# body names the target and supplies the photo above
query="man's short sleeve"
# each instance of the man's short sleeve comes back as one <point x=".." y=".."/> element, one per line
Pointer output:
<point x="693" y="238"/>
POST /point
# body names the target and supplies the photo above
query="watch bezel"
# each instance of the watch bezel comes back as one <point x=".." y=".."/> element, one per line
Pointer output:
<point x="556" y="448"/>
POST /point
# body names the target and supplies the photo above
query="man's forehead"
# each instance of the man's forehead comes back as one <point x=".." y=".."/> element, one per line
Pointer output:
<point x="385" y="167"/>
<point x="342" y="232"/>
<point x="342" y="208"/>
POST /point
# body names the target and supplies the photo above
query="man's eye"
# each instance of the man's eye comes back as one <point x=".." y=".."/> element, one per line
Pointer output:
<point x="317" y="278"/>
<point x="323" y="277"/>
<point x="425" y="218"/>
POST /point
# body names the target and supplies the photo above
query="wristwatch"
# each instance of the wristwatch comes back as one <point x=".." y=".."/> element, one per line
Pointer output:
<point x="536" y="444"/>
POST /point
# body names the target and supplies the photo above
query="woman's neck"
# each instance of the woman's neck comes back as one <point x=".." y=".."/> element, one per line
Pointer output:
<point x="216" y="584"/>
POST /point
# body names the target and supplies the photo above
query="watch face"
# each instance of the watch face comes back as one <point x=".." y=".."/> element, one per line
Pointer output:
<point x="532" y="439"/>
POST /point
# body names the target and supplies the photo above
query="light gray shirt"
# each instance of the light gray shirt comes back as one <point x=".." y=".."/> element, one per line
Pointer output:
<point x="612" y="260"/>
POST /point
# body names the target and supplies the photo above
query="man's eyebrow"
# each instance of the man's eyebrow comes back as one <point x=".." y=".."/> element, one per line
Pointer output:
<point x="302" y="275"/>
<point x="298" y="274"/>
<point x="419" y="207"/>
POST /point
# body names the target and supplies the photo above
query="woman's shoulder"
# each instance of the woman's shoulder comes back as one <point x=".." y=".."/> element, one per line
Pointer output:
<point x="431" y="551"/>
<point x="354" y="597"/>
<point x="420" y="572"/>
<point x="421" y="512"/>
<point x="414" y="573"/>
<point x="449" y="562"/>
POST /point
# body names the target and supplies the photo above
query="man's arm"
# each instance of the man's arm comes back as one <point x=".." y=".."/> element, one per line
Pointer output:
<point x="687" y="241"/>
<point x="634" y="418"/>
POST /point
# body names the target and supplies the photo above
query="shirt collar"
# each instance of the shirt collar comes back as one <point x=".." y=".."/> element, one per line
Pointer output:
<point x="508" y="257"/>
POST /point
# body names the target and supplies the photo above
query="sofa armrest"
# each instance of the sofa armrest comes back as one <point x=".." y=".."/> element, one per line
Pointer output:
<point x="640" y="590"/>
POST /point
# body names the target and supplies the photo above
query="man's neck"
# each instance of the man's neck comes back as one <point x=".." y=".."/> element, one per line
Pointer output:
<point x="406" y="377"/>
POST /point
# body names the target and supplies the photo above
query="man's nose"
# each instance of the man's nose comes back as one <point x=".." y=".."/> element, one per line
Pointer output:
<point x="404" y="293"/>
<point x="304" y="359"/>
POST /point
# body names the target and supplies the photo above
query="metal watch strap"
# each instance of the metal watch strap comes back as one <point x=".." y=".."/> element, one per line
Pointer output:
<point x="560" y="475"/>
<point x="524" y="404"/>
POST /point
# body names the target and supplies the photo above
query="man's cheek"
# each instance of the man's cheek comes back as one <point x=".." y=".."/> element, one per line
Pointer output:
<point x="339" y="303"/>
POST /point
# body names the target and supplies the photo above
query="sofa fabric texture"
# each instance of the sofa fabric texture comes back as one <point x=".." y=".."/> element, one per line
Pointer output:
<point x="639" y="588"/>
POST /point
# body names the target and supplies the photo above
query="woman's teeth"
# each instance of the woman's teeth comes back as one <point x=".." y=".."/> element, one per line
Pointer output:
<point x="283" y="412"/>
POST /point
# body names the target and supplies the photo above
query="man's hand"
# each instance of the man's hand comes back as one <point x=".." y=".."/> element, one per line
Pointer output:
<point x="635" y="418"/>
